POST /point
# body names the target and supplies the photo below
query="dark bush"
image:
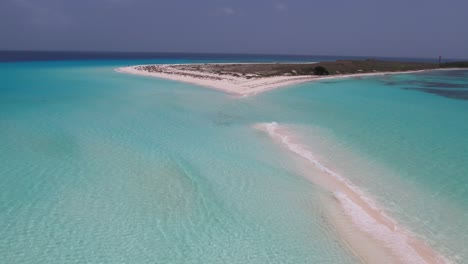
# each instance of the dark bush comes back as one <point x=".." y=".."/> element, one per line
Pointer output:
<point x="320" y="70"/>
<point x="455" y="64"/>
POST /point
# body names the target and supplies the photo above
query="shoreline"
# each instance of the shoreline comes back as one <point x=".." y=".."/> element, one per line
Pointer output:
<point x="362" y="224"/>
<point x="238" y="85"/>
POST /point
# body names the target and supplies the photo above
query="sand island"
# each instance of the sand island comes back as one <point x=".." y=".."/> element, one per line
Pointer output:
<point x="252" y="78"/>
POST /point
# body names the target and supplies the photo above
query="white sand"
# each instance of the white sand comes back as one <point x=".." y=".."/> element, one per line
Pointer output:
<point x="235" y="85"/>
<point x="369" y="232"/>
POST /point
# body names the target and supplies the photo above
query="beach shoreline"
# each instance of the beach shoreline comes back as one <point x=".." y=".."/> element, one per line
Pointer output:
<point x="238" y="85"/>
<point x="363" y="225"/>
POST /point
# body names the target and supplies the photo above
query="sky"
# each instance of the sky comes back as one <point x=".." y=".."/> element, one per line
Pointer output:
<point x="397" y="28"/>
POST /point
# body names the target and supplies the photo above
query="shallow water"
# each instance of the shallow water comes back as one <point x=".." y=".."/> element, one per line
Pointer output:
<point x="406" y="148"/>
<point x="98" y="166"/>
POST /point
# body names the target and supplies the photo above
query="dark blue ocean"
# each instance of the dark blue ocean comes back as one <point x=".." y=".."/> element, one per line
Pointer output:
<point x="15" y="56"/>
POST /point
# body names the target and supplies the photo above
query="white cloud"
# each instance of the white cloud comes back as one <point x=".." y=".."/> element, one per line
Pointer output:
<point x="280" y="7"/>
<point x="227" y="11"/>
<point x="119" y="1"/>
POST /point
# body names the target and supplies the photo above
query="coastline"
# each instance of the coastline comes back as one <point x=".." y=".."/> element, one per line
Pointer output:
<point x="238" y="85"/>
<point x="374" y="235"/>
<point x="362" y="224"/>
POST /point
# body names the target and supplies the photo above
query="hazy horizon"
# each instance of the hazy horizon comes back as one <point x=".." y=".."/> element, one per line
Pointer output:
<point x="232" y="53"/>
<point x="419" y="29"/>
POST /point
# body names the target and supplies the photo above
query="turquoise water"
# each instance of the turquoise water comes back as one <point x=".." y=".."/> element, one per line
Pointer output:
<point x="102" y="167"/>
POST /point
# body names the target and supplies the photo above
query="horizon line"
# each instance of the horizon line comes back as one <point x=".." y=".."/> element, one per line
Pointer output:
<point x="223" y="53"/>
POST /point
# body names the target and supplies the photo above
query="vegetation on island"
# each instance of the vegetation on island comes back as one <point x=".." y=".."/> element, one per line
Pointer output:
<point x="260" y="70"/>
<point x="456" y="64"/>
<point x="372" y="66"/>
<point x="320" y="70"/>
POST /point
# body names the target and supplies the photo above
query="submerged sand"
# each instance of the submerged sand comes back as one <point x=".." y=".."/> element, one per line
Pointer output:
<point x="364" y="226"/>
<point x="243" y="85"/>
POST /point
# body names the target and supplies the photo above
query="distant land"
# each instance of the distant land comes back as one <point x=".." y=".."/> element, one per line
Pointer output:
<point x="258" y="70"/>
<point x="252" y="78"/>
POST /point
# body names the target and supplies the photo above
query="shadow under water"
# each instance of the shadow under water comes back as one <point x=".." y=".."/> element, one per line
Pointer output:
<point x="456" y="86"/>
<point x="453" y="94"/>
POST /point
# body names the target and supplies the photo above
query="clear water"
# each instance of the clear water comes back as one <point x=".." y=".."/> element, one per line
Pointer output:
<point x="404" y="146"/>
<point x="102" y="167"/>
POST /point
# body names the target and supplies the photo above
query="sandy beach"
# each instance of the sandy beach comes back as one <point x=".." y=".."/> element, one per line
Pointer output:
<point x="237" y="85"/>
<point x="367" y="229"/>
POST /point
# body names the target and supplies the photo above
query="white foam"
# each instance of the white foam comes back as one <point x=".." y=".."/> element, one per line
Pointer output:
<point x="273" y="129"/>
<point x="397" y="240"/>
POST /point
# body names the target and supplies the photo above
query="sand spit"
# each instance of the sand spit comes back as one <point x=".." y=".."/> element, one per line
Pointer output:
<point x="232" y="83"/>
<point x="364" y="226"/>
<point x="229" y="84"/>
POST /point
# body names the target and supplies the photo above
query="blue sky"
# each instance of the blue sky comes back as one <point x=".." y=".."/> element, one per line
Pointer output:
<point x="412" y="28"/>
